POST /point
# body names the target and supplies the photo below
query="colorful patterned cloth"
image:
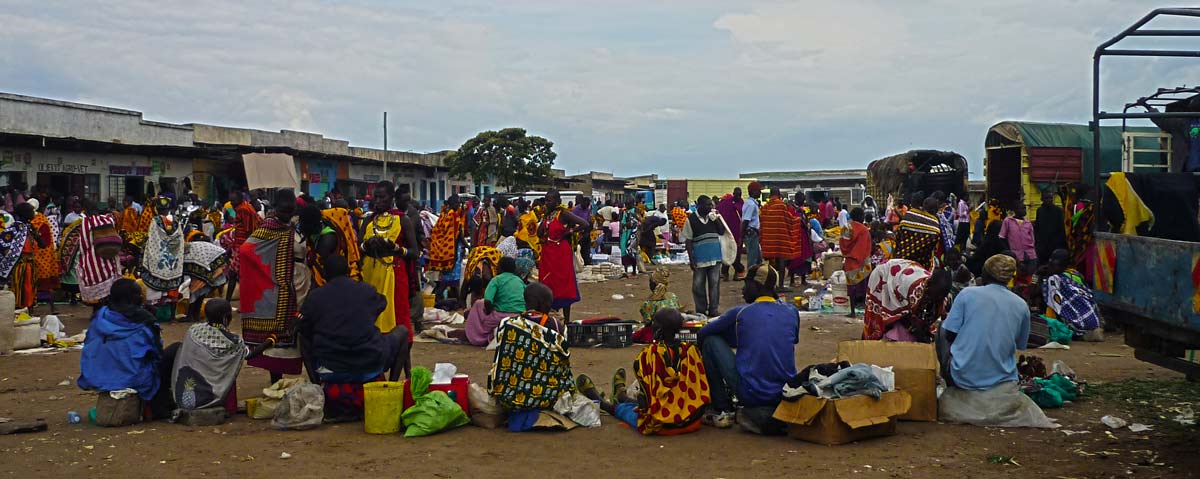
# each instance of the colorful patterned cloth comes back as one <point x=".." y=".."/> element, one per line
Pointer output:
<point x="162" y="258"/>
<point x="338" y="219"/>
<point x="96" y="272"/>
<point x="268" y="303"/>
<point x="946" y="222"/>
<point x="527" y="231"/>
<point x="532" y="366"/>
<point x="674" y="382"/>
<point x="205" y="263"/>
<point x="893" y="291"/>
<point x="12" y="243"/>
<point x="68" y="247"/>
<point x="443" y="244"/>
<point x="206" y="367"/>
<point x="919" y="237"/>
<point x="45" y="260"/>
<point x="487" y="222"/>
<point x="1072" y="302"/>
<point x="479" y="254"/>
<point x="678" y="217"/>
<point x="780" y="231"/>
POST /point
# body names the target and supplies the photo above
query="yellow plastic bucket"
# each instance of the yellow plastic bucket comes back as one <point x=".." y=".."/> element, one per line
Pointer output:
<point x="429" y="299"/>
<point x="382" y="404"/>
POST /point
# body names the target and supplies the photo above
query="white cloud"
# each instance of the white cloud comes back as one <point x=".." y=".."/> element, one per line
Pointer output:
<point x="624" y="86"/>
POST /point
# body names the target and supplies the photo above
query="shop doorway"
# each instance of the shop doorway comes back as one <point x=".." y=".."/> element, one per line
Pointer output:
<point x="66" y="185"/>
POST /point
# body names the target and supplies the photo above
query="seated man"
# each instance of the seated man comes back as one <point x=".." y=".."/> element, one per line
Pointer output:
<point x="209" y="359"/>
<point x="765" y="333"/>
<point x="977" y="347"/>
<point x="674" y="390"/>
<point x="338" y="337"/>
<point x="123" y="350"/>
<point x="503" y="297"/>
<point x="532" y="366"/>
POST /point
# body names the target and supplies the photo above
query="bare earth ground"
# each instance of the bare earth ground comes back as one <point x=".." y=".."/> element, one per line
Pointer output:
<point x="29" y="388"/>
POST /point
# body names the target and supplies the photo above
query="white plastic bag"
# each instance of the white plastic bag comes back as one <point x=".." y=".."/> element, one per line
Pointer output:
<point x="52" y="325"/>
<point x="578" y="408"/>
<point x="886" y="376"/>
<point x="482" y="402"/>
<point x="1003" y="406"/>
<point x="302" y="407"/>
<point x="728" y="244"/>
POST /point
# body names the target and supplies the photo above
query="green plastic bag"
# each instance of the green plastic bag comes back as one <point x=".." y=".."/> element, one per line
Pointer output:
<point x="1054" y="391"/>
<point x="1059" y="331"/>
<point x="432" y="411"/>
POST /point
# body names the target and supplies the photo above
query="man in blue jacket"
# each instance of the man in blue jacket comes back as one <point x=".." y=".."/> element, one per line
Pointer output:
<point x="764" y="332"/>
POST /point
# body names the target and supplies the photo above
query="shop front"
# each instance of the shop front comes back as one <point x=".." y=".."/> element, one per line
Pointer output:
<point x="361" y="180"/>
<point x="14" y="168"/>
<point x="319" y="177"/>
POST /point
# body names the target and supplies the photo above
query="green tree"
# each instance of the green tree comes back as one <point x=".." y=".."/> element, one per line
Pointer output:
<point x="514" y="159"/>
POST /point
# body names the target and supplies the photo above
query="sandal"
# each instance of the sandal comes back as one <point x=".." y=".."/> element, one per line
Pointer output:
<point x="583" y="383"/>
<point x="618" y="382"/>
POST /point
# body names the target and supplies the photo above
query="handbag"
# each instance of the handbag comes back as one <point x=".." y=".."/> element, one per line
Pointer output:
<point x="728" y="244"/>
<point x="578" y="262"/>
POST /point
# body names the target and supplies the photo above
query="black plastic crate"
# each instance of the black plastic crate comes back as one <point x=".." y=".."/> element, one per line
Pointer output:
<point x="601" y="335"/>
<point x="687" y="335"/>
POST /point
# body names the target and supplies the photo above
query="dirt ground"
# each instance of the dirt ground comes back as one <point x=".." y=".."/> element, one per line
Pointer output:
<point x="30" y="387"/>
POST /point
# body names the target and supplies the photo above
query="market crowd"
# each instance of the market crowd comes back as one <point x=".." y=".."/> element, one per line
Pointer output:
<point x="336" y="289"/>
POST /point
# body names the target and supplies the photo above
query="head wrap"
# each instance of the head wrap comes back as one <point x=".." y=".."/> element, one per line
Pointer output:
<point x="754" y="185"/>
<point x="661" y="277"/>
<point x="762" y="275"/>
<point x="162" y="202"/>
<point x="1001" y="267"/>
<point x="34" y="202"/>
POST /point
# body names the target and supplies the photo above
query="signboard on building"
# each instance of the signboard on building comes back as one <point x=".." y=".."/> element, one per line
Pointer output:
<point x="367" y="173"/>
<point x="129" y="170"/>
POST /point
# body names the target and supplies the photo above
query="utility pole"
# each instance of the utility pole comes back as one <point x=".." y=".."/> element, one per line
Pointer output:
<point x="385" y="150"/>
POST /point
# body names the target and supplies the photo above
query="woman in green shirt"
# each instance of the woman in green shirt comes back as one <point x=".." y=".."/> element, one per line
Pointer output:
<point x="504" y="297"/>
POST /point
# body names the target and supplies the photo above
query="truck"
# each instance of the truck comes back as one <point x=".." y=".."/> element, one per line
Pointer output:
<point x="917" y="170"/>
<point x="1148" y="286"/>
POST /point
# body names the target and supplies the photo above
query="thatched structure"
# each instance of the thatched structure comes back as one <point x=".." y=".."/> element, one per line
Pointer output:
<point x="926" y="170"/>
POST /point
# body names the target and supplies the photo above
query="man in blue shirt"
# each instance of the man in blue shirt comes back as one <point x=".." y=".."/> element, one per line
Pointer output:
<point x="750" y="225"/>
<point x="987" y="324"/>
<point x="765" y="333"/>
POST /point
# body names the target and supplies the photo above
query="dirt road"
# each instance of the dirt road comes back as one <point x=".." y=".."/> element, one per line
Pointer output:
<point x="30" y="387"/>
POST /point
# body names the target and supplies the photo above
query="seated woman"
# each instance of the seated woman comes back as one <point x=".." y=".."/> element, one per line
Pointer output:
<point x="123" y="350"/>
<point x="532" y="366"/>
<point x="1067" y="298"/>
<point x="905" y="302"/>
<point x="673" y="387"/>
<point x="209" y="359"/>
<point x="660" y="297"/>
<point x="503" y="297"/>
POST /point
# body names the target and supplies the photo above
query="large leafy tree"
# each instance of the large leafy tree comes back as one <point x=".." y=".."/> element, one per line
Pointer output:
<point x="514" y="159"/>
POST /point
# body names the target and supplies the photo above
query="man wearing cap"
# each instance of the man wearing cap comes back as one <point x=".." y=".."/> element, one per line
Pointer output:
<point x="987" y="324"/>
<point x="765" y="333"/>
<point x="751" y="224"/>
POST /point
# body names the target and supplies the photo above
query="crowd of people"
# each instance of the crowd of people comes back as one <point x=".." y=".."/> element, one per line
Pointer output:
<point x="336" y="288"/>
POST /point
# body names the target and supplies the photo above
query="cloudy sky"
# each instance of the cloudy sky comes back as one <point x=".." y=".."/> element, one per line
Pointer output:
<point x="693" y="88"/>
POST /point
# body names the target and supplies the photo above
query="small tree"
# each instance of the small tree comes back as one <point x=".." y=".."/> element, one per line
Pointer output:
<point x="515" y="160"/>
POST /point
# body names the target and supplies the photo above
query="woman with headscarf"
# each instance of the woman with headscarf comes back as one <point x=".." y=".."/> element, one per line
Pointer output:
<point x="45" y="257"/>
<point x="161" y="267"/>
<point x="446" y="244"/>
<point x="274" y="285"/>
<point x="18" y="243"/>
<point x="905" y="302"/>
<point x="660" y="295"/>
<point x="557" y="266"/>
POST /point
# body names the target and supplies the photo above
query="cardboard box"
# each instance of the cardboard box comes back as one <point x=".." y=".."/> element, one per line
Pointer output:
<point x="840" y="421"/>
<point x="915" y="365"/>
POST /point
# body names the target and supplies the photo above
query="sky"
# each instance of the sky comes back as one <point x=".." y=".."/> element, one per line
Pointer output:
<point x="684" y="89"/>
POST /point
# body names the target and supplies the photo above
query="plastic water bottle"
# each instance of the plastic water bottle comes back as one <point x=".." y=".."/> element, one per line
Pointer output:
<point x="73" y="417"/>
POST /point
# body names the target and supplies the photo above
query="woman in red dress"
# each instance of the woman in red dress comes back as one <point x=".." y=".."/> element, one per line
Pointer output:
<point x="556" y="268"/>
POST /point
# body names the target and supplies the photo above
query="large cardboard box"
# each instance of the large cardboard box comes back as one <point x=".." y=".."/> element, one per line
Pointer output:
<point x="839" y="421"/>
<point x="915" y="365"/>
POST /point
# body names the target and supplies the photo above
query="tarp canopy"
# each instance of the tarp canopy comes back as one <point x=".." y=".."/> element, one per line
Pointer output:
<point x="1065" y="135"/>
<point x="891" y="175"/>
<point x="270" y="170"/>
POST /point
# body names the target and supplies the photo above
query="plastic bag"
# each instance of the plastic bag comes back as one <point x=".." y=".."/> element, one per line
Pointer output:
<point x="272" y="396"/>
<point x="728" y="244"/>
<point x="886" y="377"/>
<point x="52" y="325"/>
<point x="432" y="411"/>
<point x="481" y="401"/>
<point x="578" y="408"/>
<point x="1003" y="405"/>
<point x="302" y="407"/>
